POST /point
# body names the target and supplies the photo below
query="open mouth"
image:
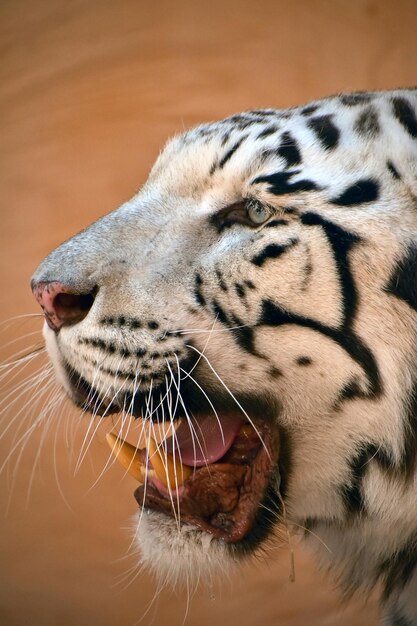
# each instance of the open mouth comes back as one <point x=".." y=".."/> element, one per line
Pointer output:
<point x="221" y="469"/>
<point x="212" y="473"/>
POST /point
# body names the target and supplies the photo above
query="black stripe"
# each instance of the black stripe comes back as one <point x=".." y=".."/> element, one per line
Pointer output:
<point x="367" y="122"/>
<point x="197" y="290"/>
<point x="272" y="315"/>
<point x="397" y="619"/>
<point x="304" y="360"/>
<point x="393" y="170"/>
<point x="242" y="122"/>
<point x="264" y="112"/>
<point x="272" y="251"/>
<point x="219" y="312"/>
<point x="245" y="338"/>
<point x="222" y="284"/>
<point x="406" y="115"/>
<point x="403" y="282"/>
<point x="231" y="152"/>
<point x="240" y="290"/>
<point x="269" y="130"/>
<point x="352" y="99"/>
<point x="280" y="184"/>
<point x="350" y="391"/>
<point x="275" y="372"/>
<point x="225" y="139"/>
<point x="341" y="242"/>
<point x="309" y="109"/>
<point x="289" y="151"/>
<point x="364" y="190"/>
<point x="244" y="335"/>
<point x="277" y="222"/>
<point x="327" y="133"/>
<point x="409" y="455"/>
<point x="351" y="491"/>
<point x="397" y="570"/>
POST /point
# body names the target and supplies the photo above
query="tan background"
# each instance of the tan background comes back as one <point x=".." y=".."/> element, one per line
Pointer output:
<point x="90" y="90"/>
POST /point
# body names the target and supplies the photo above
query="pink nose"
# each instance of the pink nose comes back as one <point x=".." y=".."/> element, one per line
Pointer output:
<point x="60" y="304"/>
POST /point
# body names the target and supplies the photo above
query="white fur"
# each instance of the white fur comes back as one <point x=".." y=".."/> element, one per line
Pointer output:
<point x="144" y="258"/>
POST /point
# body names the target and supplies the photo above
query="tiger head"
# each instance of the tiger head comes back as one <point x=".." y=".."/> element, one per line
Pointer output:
<point x="259" y="292"/>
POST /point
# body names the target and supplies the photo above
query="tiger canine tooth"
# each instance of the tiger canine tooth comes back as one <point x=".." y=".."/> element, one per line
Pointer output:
<point x="166" y="467"/>
<point x="128" y="456"/>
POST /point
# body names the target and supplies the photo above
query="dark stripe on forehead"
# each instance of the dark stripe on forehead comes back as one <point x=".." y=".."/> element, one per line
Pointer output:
<point x="288" y="150"/>
<point x="364" y="190"/>
<point x="280" y="183"/>
<point x="326" y="132"/>
<point x="243" y="121"/>
<point x="269" y="130"/>
<point x="352" y="99"/>
<point x="231" y="152"/>
<point x="406" y="115"/>
<point x="264" y="113"/>
<point x="309" y="109"/>
<point x="367" y="122"/>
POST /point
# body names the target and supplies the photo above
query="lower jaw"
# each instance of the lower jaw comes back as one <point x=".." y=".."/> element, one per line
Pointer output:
<point x="236" y="503"/>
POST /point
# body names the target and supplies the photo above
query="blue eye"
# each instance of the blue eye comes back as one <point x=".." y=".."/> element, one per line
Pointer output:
<point x="258" y="213"/>
<point x="248" y="212"/>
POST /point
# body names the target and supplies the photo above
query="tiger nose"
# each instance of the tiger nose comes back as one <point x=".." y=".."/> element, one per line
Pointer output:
<point x="61" y="304"/>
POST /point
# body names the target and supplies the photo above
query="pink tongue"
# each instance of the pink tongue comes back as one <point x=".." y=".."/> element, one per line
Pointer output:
<point x="206" y="441"/>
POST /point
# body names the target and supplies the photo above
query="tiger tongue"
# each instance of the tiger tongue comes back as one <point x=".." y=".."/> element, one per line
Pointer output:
<point x="205" y="440"/>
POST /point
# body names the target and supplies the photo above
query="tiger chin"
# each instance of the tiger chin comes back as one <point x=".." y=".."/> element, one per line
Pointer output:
<point x="258" y="295"/>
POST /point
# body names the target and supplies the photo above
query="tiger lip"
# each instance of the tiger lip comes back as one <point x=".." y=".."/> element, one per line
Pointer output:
<point x="221" y="498"/>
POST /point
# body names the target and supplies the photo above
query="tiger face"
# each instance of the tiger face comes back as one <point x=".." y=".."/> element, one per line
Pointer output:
<point x="259" y="294"/>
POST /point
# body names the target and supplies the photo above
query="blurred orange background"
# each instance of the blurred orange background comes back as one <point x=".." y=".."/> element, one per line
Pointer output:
<point x="90" y="91"/>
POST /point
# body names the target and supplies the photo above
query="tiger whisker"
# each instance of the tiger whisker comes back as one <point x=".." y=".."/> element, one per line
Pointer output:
<point x="20" y="338"/>
<point x="232" y="396"/>
<point x="25" y="437"/>
<point x="194" y="436"/>
<point x="34" y="381"/>
<point x="22" y="317"/>
<point x="26" y="355"/>
<point x="188" y="375"/>
<point x="53" y="401"/>
<point x="85" y="444"/>
<point x="55" y="463"/>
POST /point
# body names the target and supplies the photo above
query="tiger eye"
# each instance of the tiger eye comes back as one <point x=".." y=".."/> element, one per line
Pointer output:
<point x="258" y="213"/>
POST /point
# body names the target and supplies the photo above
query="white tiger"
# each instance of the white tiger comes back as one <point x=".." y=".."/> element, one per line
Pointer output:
<point x="261" y="289"/>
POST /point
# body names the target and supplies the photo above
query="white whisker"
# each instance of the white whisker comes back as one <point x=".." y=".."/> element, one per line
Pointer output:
<point x="232" y="396"/>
